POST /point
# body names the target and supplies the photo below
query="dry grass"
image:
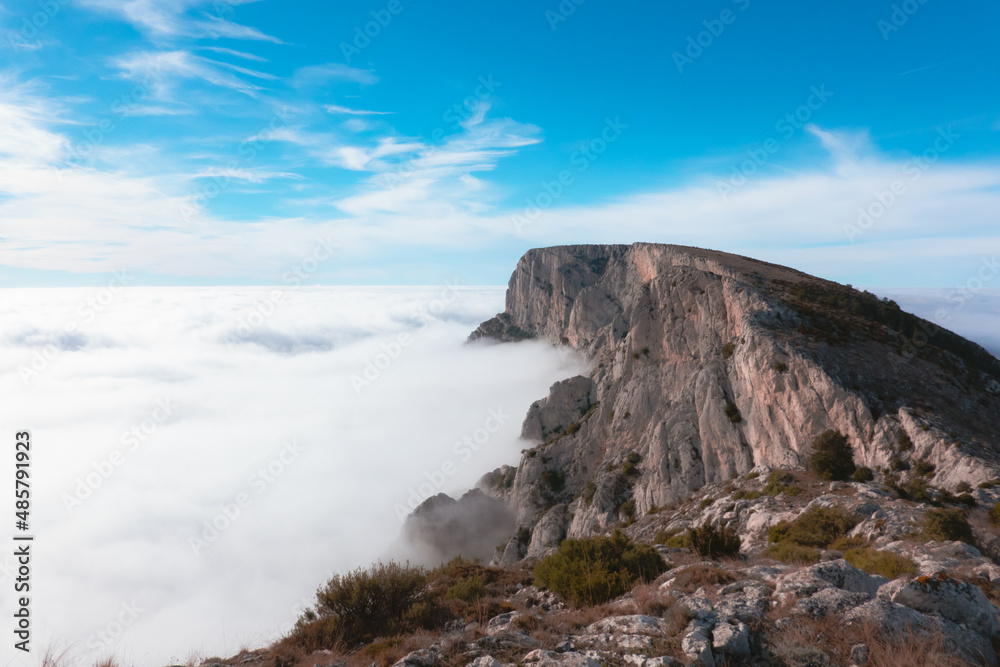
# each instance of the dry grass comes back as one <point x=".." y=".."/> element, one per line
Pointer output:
<point x="698" y="576"/>
<point x="918" y="651"/>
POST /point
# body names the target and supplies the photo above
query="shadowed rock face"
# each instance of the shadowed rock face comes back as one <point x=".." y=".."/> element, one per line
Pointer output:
<point x="706" y="365"/>
<point x="472" y="526"/>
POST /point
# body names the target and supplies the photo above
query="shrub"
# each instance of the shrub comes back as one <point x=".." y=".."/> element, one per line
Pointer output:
<point x="554" y="480"/>
<point x="780" y="366"/>
<point x="897" y="464"/>
<point x="728" y="349"/>
<point x="863" y="474"/>
<point x="593" y="570"/>
<point x="524" y="536"/>
<point x="713" y="541"/>
<point x="832" y="458"/>
<point x="915" y="489"/>
<point x="359" y="606"/>
<point x="674" y="539"/>
<point x="777" y="482"/>
<point x="903" y="439"/>
<point x="572" y="428"/>
<point x="947" y="525"/>
<point x="468" y="589"/>
<point x="628" y="509"/>
<point x="588" y="492"/>
<point x="733" y="413"/>
<point x="994" y="514"/>
<point x="923" y="468"/>
<point x="753" y="475"/>
<point x="884" y="563"/>
<point x="635" y="355"/>
<point x="963" y="487"/>
<point x="816" y="527"/>
<point x="630" y="467"/>
<point x="747" y="495"/>
<point x="787" y="552"/>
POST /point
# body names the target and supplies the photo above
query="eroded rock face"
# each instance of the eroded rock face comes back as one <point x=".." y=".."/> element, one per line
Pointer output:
<point x="958" y="601"/>
<point x="707" y="365"/>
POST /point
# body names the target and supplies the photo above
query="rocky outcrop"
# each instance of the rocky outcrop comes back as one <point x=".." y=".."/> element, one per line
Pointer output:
<point x="707" y="366"/>
<point x="442" y="527"/>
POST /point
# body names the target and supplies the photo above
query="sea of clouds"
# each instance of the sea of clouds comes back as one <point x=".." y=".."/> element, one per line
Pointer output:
<point x="204" y="458"/>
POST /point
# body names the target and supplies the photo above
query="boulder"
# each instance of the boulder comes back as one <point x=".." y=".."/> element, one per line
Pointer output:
<point x="957" y="601"/>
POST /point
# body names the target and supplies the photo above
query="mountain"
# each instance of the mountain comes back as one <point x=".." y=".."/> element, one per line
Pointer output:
<point x="760" y="468"/>
<point x="707" y="365"/>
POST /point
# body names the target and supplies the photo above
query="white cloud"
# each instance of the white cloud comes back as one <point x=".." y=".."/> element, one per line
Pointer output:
<point x="336" y="108"/>
<point x="288" y="377"/>
<point x="172" y="18"/>
<point x="320" y="75"/>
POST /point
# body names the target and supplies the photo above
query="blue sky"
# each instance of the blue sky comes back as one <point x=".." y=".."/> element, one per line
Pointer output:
<point x="230" y="142"/>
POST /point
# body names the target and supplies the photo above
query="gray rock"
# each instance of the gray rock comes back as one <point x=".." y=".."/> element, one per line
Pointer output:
<point x="698" y="648"/>
<point x="829" y="601"/>
<point x="957" y="601"/>
<point x="859" y="654"/>
<point x="731" y="639"/>
<point x="485" y="661"/>
<point x="636" y="624"/>
<point x="542" y="658"/>
<point x="421" y="658"/>
<point x="550" y="531"/>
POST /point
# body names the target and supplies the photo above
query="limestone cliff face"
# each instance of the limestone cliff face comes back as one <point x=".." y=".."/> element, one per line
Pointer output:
<point x="706" y="365"/>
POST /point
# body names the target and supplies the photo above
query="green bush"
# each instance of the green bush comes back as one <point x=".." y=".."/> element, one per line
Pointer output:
<point x="631" y="465"/>
<point x="593" y="570"/>
<point x="947" y="525"/>
<point x="780" y="481"/>
<point x="359" y="606"/>
<point x="832" y="458"/>
<point x="733" y="413"/>
<point x="863" y="474"/>
<point x="713" y="541"/>
<point x="963" y="487"/>
<point x="469" y="589"/>
<point x="816" y="527"/>
<point x="787" y="552"/>
<point x="674" y="539"/>
<point x="923" y="468"/>
<point x="628" y="509"/>
<point x="747" y="495"/>
<point x="728" y="349"/>
<point x="554" y="480"/>
<point x="588" y="492"/>
<point x="753" y="475"/>
<point x="897" y="464"/>
<point x="994" y="514"/>
<point x="572" y="428"/>
<point x="780" y="366"/>
<point x="883" y="563"/>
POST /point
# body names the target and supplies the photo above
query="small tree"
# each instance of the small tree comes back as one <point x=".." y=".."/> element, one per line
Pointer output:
<point x="832" y="458"/>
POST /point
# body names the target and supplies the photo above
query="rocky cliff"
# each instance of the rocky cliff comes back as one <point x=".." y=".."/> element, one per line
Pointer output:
<point x="707" y="365"/>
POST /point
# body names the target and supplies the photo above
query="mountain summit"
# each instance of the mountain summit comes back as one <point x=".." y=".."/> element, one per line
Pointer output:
<point x="707" y="365"/>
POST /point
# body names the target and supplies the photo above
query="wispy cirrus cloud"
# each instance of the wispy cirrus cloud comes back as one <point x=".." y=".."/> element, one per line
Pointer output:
<point x="165" y="68"/>
<point x="337" y="109"/>
<point x="177" y="18"/>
